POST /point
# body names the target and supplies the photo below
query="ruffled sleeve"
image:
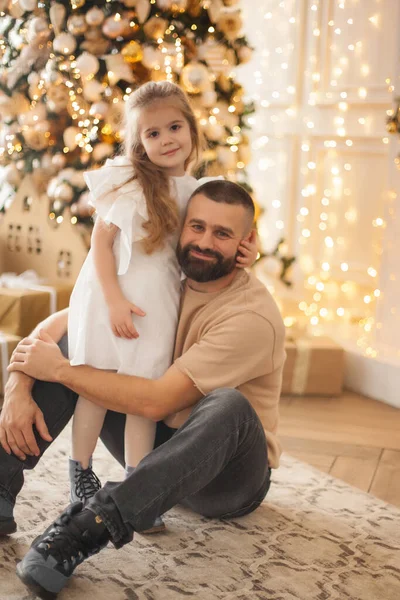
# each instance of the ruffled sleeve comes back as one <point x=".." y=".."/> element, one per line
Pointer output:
<point x="120" y="201"/>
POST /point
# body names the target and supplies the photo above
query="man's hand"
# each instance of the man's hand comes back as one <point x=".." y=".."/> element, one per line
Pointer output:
<point x="39" y="358"/>
<point x="18" y="415"/>
<point x="121" y="318"/>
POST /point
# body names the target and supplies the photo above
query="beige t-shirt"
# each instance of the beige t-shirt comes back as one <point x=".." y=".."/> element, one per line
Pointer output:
<point x="234" y="338"/>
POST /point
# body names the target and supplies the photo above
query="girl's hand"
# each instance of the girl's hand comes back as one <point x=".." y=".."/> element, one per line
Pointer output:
<point x="121" y="318"/>
<point x="248" y="251"/>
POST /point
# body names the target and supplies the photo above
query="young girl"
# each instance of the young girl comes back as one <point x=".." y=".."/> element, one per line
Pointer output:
<point x="124" y="307"/>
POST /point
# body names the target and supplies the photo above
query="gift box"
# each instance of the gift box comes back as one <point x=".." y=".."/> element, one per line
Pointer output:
<point x="7" y="344"/>
<point x="314" y="366"/>
<point x="22" y="309"/>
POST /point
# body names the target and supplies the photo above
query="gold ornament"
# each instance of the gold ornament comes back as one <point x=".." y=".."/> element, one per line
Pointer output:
<point x="155" y="27"/>
<point x="257" y="210"/>
<point x="230" y="23"/>
<point x="391" y="126"/>
<point x="132" y="52"/>
<point x="77" y="4"/>
<point x="194" y="8"/>
<point x="209" y="155"/>
<point x="195" y="78"/>
<point x="77" y="24"/>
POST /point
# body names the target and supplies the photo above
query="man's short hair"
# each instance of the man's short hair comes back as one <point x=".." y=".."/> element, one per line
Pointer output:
<point x="226" y="192"/>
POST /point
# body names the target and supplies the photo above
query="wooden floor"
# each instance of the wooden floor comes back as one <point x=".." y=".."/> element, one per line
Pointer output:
<point x="353" y="438"/>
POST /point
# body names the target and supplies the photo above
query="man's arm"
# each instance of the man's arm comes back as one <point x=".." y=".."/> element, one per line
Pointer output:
<point x="151" y="398"/>
<point x="154" y="399"/>
<point x="19" y="412"/>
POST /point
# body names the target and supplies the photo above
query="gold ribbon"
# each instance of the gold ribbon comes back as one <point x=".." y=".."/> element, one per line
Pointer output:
<point x="301" y="366"/>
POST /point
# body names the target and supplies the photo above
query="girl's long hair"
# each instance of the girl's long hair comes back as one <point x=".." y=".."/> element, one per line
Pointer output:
<point x="161" y="206"/>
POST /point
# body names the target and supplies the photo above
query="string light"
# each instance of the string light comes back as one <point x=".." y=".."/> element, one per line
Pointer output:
<point x="335" y="287"/>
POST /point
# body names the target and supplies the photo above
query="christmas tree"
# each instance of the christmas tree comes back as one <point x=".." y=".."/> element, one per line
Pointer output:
<point x="67" y="66"/>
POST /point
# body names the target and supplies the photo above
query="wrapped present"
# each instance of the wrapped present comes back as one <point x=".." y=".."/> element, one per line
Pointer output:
<point x="314" y="366"/>
<point x="24" y="302"/>
<point x="7" y="344"/>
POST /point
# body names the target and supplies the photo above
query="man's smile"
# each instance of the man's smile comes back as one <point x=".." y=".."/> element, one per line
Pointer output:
<point x="201" y="255"/>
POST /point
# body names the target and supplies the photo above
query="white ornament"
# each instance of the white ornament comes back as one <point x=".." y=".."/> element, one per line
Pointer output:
<point x="245" y="53"/>
<point x="70" y="137"/>
<point x="174" y="5"/>
<point x="15" y="10"/>
<point x="117" y="69"/>
<point x="152" y="57"/>
<point x="65" y="43"/>
<point x="42" y="126"/>
<point x="11" y="175"/>
<point x="37" y="27"/>
<point x="35" y="139"/>
<point x="77" y="24"/>
<point x="214" y="10"/>
<point x="57" y="17"/>
<point x="46" y="162"/>
<point x="64" y="192"/>
<point x="28" y="4"/>
<point x="92" y="90"/>
<point x="77" y="179"/>
<point x="195" y="77"/>
<point x="95" y="16"/>
<point x="214" y="132"/>
<point x="34" y="116"/>
<point x="87" y="64"/>
<point x="164" y="4"/>
<point x="51" y="188"/>
<point x="114" y="27"/>
<point x="214" y="54"/>
<point x="102" y="151"/>
<point x="33" y="78"/>
<point x="226" y="157"/>
<point x="59" y="160"/>
<point x="99" y="110"/>
<point x="271" y="265"/>
<point x="15" y="40"/>
<point x="57" y="98"/>
<point x="143" y="9"/>
<point x="209" y="98"/>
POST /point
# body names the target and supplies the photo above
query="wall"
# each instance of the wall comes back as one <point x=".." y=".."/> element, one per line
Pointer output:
<point x="323" y="75"/>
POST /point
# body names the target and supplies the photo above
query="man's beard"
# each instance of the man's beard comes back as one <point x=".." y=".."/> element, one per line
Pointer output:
<point x="204" y="270"/>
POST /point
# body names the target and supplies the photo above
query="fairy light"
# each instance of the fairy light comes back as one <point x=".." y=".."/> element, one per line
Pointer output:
<point x="328" y="209"/>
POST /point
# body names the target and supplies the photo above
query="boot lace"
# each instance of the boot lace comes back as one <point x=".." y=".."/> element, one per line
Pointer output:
<point x="68" y="547"/>
<point x="86" y="484"/>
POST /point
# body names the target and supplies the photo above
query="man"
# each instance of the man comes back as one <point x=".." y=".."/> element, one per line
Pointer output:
<point x="216" y="407"/>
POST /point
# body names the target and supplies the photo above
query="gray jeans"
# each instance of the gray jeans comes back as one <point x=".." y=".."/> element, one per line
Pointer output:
<point x="215" y="464"/>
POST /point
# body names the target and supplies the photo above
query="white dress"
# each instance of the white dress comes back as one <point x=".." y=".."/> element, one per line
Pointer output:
<point x="152" y="282"/>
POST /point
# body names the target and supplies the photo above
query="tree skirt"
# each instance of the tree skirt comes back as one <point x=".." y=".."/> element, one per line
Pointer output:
<point x="313" y="538"/>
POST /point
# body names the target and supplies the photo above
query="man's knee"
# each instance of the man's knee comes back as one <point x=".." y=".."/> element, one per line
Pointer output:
<point x="231" y="401"/>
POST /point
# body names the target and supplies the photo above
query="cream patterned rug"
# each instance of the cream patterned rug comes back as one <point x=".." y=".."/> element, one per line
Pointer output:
<point x="314" y="538"/>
